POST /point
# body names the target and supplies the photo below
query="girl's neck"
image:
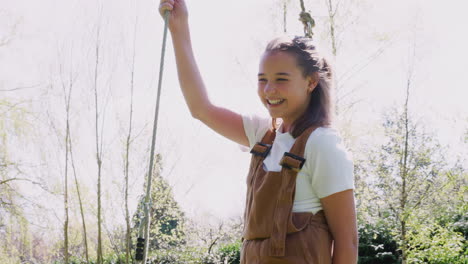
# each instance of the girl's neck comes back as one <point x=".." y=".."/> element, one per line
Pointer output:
<point x="285" y="127"/>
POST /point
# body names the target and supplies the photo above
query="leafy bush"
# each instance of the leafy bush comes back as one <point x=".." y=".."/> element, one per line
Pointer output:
<point x="435" y="244"/>
<point x="231" y="252"/>
<point x="180" y="255"/>
<point x="7" y="258"/>
<point x="227" y="253"/>
<point x="377" y="246"/>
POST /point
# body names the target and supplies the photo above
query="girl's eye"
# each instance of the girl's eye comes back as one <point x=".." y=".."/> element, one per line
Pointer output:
<point x="281" y="79"/>
<point x="261" y="80"/>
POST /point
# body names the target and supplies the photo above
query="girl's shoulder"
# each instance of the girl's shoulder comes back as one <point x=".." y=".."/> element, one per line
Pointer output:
<point x="326" y="141"/>
<point x="325" y="133"/>
<point x="329" y="165"/>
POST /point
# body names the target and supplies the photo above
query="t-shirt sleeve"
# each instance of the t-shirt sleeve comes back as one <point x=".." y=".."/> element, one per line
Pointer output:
<point x="331" y="165"/>
<point x="255" y="128"/>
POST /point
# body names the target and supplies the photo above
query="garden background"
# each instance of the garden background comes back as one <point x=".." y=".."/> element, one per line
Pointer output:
<point x="78" y="81"/>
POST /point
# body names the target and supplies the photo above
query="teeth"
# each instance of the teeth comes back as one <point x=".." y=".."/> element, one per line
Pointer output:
<point x="278" y="101"/>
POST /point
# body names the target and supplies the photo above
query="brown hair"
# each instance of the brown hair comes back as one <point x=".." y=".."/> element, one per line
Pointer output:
<point x="320" y="109"/>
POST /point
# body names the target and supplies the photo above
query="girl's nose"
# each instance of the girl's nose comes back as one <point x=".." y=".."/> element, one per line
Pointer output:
<point x="269" y="88"/>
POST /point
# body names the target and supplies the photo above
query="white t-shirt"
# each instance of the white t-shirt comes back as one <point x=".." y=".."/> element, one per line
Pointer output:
<point x="328" y="168"/>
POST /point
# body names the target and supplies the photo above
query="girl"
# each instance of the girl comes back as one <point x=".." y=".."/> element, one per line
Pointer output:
<point x="300" y="202"/>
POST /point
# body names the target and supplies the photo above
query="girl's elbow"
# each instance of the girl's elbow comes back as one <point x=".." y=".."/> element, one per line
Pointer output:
<point x="195" y="114"/>
<point x="198" y="113"/>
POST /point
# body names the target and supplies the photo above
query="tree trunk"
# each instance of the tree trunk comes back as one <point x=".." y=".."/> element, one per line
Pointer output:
<point x="331" y="16"/>
<point x="127" y="156"/>
<point x="65" y="196"/>
<point x="98" y="153"/>
<point x="127" y="214"/>
<point x="85" y="238"/>
<point x="404" y="177"/>
<point x="67" y="99"/>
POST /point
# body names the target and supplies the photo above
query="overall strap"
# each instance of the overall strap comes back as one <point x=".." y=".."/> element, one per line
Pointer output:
<point x="292" y="162"/>
<point x="263" y="147"/>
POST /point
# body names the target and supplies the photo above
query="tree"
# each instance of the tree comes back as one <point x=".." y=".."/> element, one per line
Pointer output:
<point x="127" y="152"/>
<point x="14" y="227"/>
<point x="99" y="141"/>
<point x="410" y="169"/>
<point x="407" y="193"/>
<point x="65" y="185"/>
<point x="167" y="226"/>
<point x="80" y="200"/>
<point x="67" y="85"/>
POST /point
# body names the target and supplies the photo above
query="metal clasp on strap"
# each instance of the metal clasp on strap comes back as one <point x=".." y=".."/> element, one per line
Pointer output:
<point x="292" y="162"/>
<point x="261" y="149"/>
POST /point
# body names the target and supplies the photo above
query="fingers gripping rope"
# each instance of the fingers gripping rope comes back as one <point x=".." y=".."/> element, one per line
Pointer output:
<point x="143" y="239"/>
<point x="307" y="20"/>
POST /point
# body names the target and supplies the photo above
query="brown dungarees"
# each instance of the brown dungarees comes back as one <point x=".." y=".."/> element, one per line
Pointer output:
<point x="273" y="234"/>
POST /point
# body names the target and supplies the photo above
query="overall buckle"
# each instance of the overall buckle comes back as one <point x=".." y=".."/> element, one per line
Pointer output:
<point x="292" y="162"/>
<point x="261" y="149"/>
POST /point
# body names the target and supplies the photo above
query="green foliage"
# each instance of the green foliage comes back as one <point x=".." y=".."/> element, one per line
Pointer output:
<point x="455" y="217"/>
<point x="8" y="258"/>
<point x="226" y="253"/>
<point x="408" y="178"/>
<point x="107" y="259"/>
<point x="167" y="226"/>
<point x="15" y="242"/>
<point x="13" y="123"/>
<point x="176" y="255"/>
<point x="377" y="245"/>
<point x="433" y="243"/>
<point x="407" y="168"/>
<point x="427" y="243"/>
<point x="230" y="252"/>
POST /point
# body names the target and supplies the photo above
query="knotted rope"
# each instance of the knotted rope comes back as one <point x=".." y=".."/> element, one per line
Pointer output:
<point x="307" y="20"/>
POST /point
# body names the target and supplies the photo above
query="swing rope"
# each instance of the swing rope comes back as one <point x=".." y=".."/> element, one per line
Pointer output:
<point x="143" y="232"/>
<point x="307" y="21"/>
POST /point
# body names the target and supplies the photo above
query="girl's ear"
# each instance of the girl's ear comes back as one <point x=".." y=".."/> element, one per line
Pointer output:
<point x="313" y="79"/>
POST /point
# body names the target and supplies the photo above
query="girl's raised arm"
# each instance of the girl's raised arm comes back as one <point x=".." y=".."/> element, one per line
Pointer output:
<point x="221" y="120"/>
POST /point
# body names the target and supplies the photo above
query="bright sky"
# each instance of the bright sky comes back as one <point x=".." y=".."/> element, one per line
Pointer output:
<point x="207" y="171"/>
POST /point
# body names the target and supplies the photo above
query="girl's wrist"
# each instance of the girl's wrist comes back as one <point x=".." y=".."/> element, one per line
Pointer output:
<point x="180" y="26"/>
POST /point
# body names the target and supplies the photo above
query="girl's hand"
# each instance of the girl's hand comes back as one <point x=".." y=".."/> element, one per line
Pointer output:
<point x="178" y="16"/>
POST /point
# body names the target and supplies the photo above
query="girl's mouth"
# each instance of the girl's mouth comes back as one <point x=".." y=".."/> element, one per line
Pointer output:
<point x="275" y="102"/>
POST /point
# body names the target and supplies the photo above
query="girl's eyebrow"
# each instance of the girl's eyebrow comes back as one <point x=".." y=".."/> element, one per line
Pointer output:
<point x="279" y="73"/>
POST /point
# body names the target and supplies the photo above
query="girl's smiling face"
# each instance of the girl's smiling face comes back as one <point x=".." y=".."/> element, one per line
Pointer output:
<point x="282" y="87"/>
